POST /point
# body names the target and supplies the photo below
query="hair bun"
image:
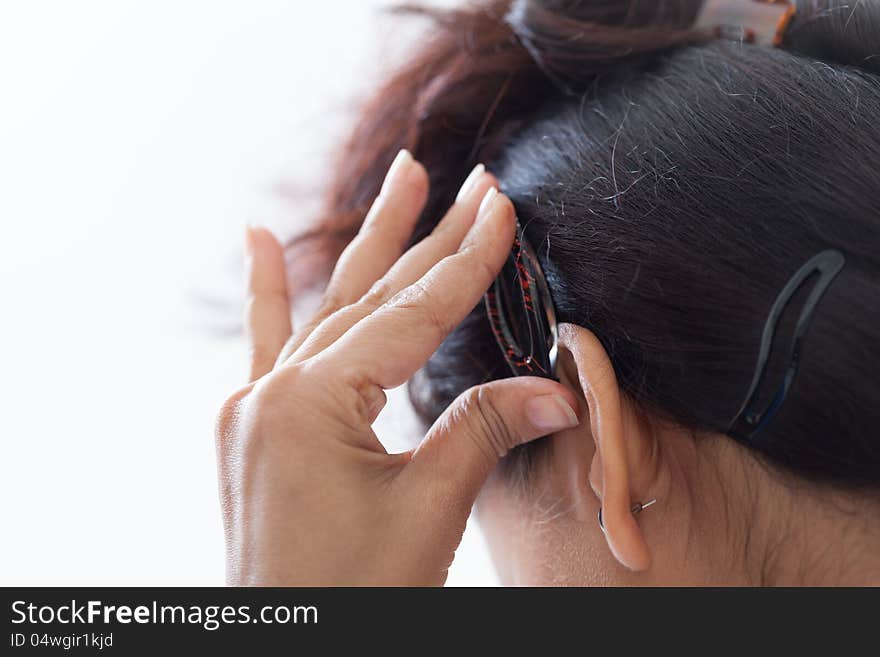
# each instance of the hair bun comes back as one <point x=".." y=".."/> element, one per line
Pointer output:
<point x="573" y="41"/>
<point x="839" y="31"/>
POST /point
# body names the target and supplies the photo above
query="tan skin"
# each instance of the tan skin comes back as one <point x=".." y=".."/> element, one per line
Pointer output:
<point x="723" y="516"/>
<point x="310" y="497"/>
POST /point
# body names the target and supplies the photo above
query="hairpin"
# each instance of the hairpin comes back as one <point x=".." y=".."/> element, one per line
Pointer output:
<point x="822" y="269"/>
<point x="521" y="313"/>
<point x="763" y="22"/>
<point x="523" y="320"/>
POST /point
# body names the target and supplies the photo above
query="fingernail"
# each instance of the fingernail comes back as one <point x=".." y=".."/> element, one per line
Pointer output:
<point x="551" y="413"/>
<point x="486" y="203"/>
<point x="400" y="164"/>
<point x="468" y="185"/>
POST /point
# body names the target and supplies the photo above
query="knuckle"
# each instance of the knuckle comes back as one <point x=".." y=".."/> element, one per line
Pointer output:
<point x="494" y="424"/>
<point x="331" y="301"/>
<point x="245" y="415"/>
<point x="275" y="391"/>
<point x="380" y="292"/>
<point x="229" y="417"/>
<point x="491" y="434"/>
<point x="419" y="300"/>
<point x="290" y="346"/>
<point x="472" y="260"/>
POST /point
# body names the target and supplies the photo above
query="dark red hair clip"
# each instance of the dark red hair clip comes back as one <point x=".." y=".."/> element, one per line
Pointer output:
<point x="521" y="313"/>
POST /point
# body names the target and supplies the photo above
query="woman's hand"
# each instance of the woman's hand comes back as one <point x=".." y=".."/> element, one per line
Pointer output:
<point x="309" y="495"/>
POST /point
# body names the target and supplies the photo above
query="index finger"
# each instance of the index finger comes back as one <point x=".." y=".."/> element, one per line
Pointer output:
<point x="388" y="346"/>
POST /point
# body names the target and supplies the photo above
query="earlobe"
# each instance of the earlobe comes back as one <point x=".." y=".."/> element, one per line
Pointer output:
<point x="619" y="446"/>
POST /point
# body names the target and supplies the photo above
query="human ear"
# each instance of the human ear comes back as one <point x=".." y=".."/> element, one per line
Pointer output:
<point x="623" y="463"/>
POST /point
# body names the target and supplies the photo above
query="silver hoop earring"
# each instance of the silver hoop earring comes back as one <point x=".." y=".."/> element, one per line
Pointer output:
<point x="636" y="509"/>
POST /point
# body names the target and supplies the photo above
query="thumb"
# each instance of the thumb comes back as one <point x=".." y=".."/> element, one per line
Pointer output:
<point x="482" y="425"/>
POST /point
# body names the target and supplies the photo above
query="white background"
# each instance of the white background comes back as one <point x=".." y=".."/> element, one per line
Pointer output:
<point x="136" y="139"/>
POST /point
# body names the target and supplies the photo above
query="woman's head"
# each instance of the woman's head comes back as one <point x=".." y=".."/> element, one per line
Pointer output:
<point x="671" y="185"/>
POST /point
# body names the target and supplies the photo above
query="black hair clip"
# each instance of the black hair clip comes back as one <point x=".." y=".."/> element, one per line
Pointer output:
<point x="521" y="313"/>
<point x="750" y="420"/>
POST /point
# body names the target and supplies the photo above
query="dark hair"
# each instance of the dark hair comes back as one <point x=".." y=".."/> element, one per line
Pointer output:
<point x="671" y="184"/>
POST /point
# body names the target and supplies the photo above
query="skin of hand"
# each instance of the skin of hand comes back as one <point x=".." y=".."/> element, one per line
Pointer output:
<point x="308" y="493"/>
